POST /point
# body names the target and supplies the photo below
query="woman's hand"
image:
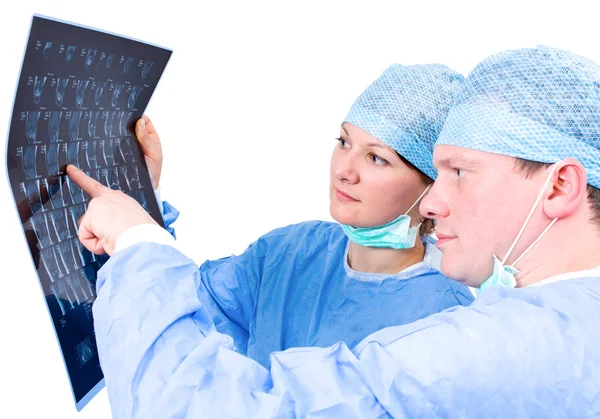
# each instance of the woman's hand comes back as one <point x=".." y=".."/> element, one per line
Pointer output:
<point x="149" y="141"/>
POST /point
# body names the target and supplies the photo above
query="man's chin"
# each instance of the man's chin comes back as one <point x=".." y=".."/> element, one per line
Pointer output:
<point x="453" y="270"/>
<point x="461" y="277"/>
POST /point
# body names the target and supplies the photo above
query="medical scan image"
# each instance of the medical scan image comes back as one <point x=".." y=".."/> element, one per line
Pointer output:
<point x="78" y="97"/>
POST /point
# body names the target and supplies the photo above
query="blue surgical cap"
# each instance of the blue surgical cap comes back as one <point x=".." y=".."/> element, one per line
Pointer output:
<point x="406" y="108"/>
<point x="540" y="104"/>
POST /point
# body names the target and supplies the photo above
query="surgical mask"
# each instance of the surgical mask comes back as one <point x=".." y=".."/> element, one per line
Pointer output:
<point x="504" y="275"/>
<point x="397" y="234"/>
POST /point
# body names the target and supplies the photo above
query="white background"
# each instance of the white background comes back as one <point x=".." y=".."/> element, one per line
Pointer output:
<point x="248" y="110"/>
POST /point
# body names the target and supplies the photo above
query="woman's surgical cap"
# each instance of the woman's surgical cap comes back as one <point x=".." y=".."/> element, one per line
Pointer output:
<point x="406" y="108"/>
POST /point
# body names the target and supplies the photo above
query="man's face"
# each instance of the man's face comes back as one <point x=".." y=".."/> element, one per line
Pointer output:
<point x="480" y="202"/>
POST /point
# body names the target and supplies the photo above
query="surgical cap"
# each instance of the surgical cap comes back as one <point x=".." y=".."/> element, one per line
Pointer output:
<point x="540" y="104"/>
<point x="406" y="108"/>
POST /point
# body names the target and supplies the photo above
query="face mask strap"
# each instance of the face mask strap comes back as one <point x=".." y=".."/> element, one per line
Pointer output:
<point x="419" y="199"/>
<point x="533" y="244"/>
<point x="537" y="201"/>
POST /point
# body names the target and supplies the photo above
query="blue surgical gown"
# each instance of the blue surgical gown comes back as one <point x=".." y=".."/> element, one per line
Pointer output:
<point x="513" y="353"/>
<point x="293" y="287"/>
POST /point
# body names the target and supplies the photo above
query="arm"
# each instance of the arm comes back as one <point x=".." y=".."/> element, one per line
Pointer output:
<point x="169" y="213"/>
<point x="227" y="287"/>
<point x="162" y="357"/>
<point x="149" y="142"/>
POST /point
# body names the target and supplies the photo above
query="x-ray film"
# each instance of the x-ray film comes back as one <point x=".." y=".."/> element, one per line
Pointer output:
<point x="78" y="97"/>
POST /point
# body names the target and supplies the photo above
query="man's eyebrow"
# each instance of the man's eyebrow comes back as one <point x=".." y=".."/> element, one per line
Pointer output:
<point x="455" y="161"/>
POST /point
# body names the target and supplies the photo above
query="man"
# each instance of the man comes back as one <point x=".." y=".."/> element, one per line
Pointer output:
<point x="518" y="215"/>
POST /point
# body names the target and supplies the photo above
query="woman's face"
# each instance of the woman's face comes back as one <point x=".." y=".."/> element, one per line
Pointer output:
<point x="370" y="185"/>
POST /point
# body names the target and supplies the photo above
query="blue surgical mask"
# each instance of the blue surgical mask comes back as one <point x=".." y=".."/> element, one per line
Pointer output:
<point x="397" y="234"/>
<point x="504" y="275"/>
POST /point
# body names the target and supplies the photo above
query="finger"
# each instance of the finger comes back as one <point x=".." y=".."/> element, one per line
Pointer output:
<point x="91" y="186"/>
<point x="148" y="137"/>
<point x="149" y="125"/>
<point x="145" y="131"/>
<point x="87" y="238"/>
<point x="141" y="132"/>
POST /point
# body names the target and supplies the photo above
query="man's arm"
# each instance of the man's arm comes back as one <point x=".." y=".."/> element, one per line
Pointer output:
<point x="162" y="357"/>
<point x="511" y="352"/>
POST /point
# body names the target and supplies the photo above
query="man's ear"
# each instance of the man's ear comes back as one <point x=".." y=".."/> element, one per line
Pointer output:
<point x="567" y="189"/>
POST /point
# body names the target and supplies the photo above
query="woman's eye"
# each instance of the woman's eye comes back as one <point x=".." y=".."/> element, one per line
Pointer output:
<point x="343" y="143"/>
<point x="460" y="172"/>
<point x="378" y="160"/>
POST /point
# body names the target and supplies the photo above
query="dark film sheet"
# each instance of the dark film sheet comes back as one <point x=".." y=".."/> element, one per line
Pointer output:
<point x="79" y="94"/>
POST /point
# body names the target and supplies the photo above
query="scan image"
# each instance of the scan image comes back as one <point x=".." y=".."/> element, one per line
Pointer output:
<point x="78" y="97"/>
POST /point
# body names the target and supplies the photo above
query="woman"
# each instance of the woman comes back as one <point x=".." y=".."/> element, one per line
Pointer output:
<point x="317" y="283"/>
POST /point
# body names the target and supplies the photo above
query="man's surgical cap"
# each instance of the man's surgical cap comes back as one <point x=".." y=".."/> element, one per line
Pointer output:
<point x="540" y="104"/>
<point x="406" y="108"/>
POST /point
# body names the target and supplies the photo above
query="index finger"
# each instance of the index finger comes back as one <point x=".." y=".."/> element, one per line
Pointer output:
<point x="89" y="185"/>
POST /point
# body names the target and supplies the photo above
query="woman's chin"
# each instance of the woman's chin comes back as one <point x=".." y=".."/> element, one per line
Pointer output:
<point x="340" y="217"/>
<point x="343" y="217"/>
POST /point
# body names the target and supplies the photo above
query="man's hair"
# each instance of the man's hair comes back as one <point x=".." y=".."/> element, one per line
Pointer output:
<point x="428" y="225"/>
<point x="529" y="168"/>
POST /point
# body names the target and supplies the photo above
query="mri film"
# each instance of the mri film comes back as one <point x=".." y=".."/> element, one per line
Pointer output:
<point x="78" y="97"/>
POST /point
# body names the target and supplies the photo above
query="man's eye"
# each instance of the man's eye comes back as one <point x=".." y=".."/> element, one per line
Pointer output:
<point x="460" y="172"/>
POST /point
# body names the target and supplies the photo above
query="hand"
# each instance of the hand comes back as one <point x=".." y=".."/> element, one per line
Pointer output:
<point x="109" y="214"/>
<point x="150" y="143"/>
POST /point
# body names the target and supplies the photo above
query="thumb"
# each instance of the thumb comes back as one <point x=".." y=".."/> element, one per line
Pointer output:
<point x="148" y="138"/>
<point x="140" y="131"/>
